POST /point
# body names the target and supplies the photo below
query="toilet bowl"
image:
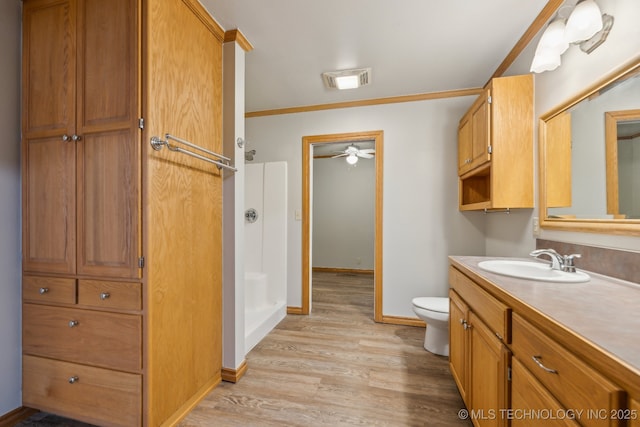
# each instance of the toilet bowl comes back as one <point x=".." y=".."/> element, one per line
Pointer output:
<point x="435" y="313"/>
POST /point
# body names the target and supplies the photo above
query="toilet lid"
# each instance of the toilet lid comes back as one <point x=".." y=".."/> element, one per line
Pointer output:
<point x="438" y="304"/>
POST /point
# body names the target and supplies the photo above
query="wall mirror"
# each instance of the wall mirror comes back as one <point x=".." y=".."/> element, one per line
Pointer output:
<point x="589" y="158"/>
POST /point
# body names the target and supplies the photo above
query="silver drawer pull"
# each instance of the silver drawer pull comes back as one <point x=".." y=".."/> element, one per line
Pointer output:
<point x="74" y="379"/>
<point x="104" y="295"/>
<point x="539" y="363"/>
<point x="73" y="323"/>
<point x="43" y="291"/>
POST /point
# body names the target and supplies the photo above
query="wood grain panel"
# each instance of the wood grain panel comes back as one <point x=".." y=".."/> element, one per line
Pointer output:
<point x="107" y="64"/>
<point x="527" y="394"/>
<point x="48" y="290"/>
<point x="558" y="161"/>
<point x="49" y="206"/>
<point x="99" y="338"/>
<point x="494" y="313"/>
<point x="512" y="142"/>
<point x="49" y="68"/>
<point x="183" y="200"/>
<point x="110" y="295"/>
<point x="574" y="384"/>
<point x="98" y="396"/>
<point x="109" y="204"/>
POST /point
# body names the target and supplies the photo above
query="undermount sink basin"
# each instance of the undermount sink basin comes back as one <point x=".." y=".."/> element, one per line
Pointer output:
<point x="531" y="270"/>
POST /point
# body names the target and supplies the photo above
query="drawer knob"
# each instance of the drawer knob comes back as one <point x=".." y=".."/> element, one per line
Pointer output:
<point x="43" y="291"/>
<point x="74" y="379"/>
<point x="539" y="363"/>
<point x="73" y="323"/>
<point x="104" y="295"/>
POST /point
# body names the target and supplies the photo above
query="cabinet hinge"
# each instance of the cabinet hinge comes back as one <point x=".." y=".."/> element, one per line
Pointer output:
<point x="141" y="262"/>
<point x="509" y="373"/>
<point x="141" y="123"/>
<point x="489" y="100"/>
<point x="490" y="149"/>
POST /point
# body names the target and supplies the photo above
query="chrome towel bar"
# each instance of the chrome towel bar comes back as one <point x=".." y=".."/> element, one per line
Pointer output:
<point x="223" y="163"/>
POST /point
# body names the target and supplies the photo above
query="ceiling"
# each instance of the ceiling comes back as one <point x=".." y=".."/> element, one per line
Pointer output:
<point x="412" y="46"/>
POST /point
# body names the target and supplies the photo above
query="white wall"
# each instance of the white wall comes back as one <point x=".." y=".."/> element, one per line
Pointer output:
<point x="344" y="213"/>
<point x="421" y="221"/>
<point x="10" y="258"/>
<point x="506" y="235"/>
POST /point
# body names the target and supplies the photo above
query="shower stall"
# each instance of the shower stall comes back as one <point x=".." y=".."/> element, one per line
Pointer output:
<point x="265" y="249"/>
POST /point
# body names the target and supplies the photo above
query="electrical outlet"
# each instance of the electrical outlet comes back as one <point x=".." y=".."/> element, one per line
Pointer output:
<point x="298" y="214"/>
<point x="536" y="226"/>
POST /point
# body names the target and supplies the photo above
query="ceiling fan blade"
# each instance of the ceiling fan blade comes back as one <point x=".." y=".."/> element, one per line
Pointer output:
<point x="365" y="155"/>
<point x="368" y="150"/>
<point x="339" y="155"/>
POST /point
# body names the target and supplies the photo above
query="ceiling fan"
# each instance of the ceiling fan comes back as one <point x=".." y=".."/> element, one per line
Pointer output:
<point x="352" y="152"/>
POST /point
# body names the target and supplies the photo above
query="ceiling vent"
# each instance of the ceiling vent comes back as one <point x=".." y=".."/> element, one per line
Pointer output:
<point x="347" y="79"/>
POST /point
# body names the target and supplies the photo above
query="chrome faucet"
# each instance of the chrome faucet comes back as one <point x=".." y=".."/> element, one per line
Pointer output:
<point x="558" y="262"/>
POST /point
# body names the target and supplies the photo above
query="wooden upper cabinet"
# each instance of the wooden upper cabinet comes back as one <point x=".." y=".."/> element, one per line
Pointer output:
<point x="81" y="151"/>
<point x="474" y="136"/>
<point x="499" y="173"/>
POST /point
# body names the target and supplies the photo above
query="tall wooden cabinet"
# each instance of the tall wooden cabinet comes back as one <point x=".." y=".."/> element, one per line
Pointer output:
<point x="495" y="147"/>
<point x="121" y="244"/>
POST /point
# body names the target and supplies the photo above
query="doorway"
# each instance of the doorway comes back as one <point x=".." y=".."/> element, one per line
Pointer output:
<point x="308" y="143"/>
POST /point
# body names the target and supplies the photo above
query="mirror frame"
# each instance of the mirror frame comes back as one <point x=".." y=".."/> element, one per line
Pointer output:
<point x="607" y="226"/>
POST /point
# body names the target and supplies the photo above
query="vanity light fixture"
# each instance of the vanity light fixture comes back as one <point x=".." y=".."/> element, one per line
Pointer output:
<point x="352" y="159"/>
<point x="585" y="26"/>
<point x="347" y="79"/>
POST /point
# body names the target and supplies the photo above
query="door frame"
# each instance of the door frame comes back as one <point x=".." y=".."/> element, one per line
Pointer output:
<point x="307" y="148"/>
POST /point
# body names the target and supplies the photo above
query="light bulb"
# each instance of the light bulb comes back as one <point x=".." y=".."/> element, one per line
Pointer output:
<point x="352" y="159"/>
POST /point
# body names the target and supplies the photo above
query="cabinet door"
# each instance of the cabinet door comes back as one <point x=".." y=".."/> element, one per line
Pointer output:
<point x="108" y="152"/>
<point x="558" y="161"/>
<point x="458" y="361"/>
<point x="480" y="131"/>
<point x="464" y="145"/>
<point x="49" y="163"/>
<point x="489" y="360"/>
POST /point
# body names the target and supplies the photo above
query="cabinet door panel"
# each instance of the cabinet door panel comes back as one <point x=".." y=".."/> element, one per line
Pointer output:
<point x="487" y="380"/>
<point x="458" y="312"/>
<point x="480" y="128"/>
<point x="464" y="146"/>
<point x="49" y="206"/>
<point x="49" y="68"/>
<point x="107" y="64"/>
<point x="108" y="204"/>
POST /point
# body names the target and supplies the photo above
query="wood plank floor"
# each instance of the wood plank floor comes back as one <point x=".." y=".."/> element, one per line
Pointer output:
<point x="336" y="367"/>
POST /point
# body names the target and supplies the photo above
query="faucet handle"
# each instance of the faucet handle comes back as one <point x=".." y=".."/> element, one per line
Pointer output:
<point x="569" y="266"/>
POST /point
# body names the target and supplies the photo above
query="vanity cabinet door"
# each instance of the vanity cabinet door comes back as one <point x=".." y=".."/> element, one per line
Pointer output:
<point x="458" y="337"/>
<point x="489" y="360"/>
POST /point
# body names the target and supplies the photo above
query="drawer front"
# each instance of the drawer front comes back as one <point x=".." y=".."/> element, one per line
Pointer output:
<point x="94" y="395"/>
<point x="49" y="290"/>
<point x="494" y="313"/>
<point x="112" y="295"/>
<point x="92" y="337"/>
<point x="575" y="384"/>
<point x="529" y="398"/>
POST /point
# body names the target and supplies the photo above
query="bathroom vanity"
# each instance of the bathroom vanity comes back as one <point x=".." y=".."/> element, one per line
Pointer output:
<point x="525" y="352"/>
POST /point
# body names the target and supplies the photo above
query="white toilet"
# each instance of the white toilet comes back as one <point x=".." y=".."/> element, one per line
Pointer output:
<point x="435" y="313"/>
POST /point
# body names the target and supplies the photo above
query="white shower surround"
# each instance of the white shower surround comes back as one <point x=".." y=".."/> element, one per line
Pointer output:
<point x="265" y="249"/>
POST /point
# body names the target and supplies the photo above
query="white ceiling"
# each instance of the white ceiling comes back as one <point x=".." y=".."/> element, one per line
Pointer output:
<point x="413" y="46"/>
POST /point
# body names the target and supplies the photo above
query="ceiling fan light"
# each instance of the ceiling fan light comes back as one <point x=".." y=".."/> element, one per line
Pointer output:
<point x="584" y="22"/>
<point x="352" y="159"/>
